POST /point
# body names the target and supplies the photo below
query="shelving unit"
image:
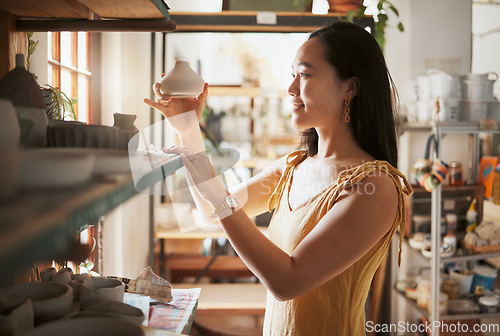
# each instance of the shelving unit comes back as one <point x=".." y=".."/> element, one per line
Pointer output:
<point x="439" y="130"/>
<point x="37" y="224"/>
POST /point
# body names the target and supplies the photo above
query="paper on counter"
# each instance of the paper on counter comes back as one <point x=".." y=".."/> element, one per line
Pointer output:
<point x="139" y="301"/>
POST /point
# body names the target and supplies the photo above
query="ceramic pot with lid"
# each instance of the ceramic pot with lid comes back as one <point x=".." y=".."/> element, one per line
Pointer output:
<point x="478" y="87"/>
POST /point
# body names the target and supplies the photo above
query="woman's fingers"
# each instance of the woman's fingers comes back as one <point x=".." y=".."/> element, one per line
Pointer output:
<point x="154" y="104"/>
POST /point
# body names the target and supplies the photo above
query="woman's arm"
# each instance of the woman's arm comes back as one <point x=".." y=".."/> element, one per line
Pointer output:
<point x="184" y="115"/>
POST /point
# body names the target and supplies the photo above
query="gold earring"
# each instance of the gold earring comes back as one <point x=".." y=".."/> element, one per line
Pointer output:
<point x="347" y="109"/>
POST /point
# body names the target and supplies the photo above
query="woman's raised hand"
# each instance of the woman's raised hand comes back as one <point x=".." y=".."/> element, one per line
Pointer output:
<point x="171" y="107"/>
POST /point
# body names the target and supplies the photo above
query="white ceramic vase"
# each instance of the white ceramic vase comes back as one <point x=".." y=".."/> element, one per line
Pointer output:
<point x="182" y="82"/>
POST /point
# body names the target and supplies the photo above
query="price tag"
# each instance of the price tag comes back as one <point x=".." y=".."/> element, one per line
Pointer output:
<point x="266" y="18"/>
<point x="448" y="204"/>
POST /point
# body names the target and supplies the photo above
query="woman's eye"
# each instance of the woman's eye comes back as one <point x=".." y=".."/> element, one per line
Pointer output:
<point x="304" y="75"/>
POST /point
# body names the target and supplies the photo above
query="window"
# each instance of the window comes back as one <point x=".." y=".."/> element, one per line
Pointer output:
<point x="69" y="68"/>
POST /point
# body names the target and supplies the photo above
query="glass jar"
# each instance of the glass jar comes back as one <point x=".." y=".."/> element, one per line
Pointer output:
<point x="450" y="287"/>
<point x="455" y="174"/>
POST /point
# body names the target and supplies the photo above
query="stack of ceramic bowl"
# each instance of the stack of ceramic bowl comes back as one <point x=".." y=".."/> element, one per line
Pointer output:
<point x="477" y="95"/>
<point x="436" y="88"/>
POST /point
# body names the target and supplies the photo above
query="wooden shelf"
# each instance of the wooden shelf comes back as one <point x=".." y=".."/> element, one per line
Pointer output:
<point x="87" y="9"/>
<point x="88" y="15"/>
<point x="246" y="21"/>
<point x="37" y="224"/>
<point x="446" y="317"/>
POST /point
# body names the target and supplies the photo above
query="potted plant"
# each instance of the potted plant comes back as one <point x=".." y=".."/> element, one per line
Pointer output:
<point x="383" y="7"/>
<point x="58" y="104"/>
<point x="356" y="9"/>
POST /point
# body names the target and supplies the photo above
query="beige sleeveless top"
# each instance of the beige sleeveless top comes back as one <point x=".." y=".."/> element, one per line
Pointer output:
<point x="337" y="306"/>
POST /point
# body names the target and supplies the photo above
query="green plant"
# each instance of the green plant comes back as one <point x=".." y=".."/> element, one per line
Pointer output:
<point x="383" y="7"/>
<point x="31" y="49"/>
<point x="300" y="4"/>
<point x="58" y="104"/>
<point x="88" y="265"/>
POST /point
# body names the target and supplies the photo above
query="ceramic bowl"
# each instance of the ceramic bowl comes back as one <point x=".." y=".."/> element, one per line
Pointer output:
<point x="53" y="168"/>
<point x="64" y="275"/>
<point x="18" y="320"/>
<point x="77" y="134"/>
<point x="116" y="309"/>
<point x="80" y="276"/>
<point x="77" y="285"/>
<point x="9" y="171"/>
<point x="85" y="326"/>
<point x="50" y="299"/>
<point x="47" y="273"/>
<point x="182" y="82"/>
<point x="33" y="124"/>
<point x="99" y="289"/>
<point x="9" y="125"/>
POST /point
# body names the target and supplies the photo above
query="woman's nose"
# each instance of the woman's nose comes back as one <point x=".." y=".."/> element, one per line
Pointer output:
<point x="293" y="89"/>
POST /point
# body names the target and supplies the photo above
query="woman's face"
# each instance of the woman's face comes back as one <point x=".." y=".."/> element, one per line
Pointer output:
<point x="317" y="92"/>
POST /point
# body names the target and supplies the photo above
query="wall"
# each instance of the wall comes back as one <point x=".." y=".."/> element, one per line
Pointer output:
<point x="486" y="41"/>
<point x="125" y="82"/>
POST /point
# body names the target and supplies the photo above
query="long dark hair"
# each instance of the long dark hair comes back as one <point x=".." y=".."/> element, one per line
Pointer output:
<point x="353" y="52"/>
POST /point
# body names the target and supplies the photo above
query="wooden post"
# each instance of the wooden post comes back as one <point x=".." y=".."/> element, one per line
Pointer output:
<point x="11" y="43"/>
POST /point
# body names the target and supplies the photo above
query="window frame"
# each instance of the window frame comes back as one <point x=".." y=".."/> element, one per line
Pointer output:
<point x="57" y="67"/>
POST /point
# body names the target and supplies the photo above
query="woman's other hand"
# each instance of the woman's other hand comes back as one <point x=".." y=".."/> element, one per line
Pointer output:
<point x="171" y="107"/>
<point x="201" y="174"/>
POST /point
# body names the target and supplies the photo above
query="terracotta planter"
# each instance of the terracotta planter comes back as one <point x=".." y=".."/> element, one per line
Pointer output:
<point x="343" y="6"/>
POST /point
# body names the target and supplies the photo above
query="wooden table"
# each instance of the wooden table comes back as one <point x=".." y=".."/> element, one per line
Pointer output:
<point x="201" y="263"/>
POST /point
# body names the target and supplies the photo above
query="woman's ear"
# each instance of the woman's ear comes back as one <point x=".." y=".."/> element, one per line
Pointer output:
<point x="352" y="87"/>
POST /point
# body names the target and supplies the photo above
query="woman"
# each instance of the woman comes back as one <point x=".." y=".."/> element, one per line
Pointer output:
<point x="337" y="202"/>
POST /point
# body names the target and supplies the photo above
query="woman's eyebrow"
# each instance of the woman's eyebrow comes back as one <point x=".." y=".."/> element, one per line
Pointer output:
<point x="304" y="64"/>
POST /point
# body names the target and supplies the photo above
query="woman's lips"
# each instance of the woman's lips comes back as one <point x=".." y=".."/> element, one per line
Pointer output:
<point x="297" y="105"/>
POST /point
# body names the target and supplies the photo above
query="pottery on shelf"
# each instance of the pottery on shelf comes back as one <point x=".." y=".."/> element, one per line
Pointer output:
<point x="77" y="134"/>
<point x="20" y="87"/>
<point x="63" y="275"/>
<point x="126" y="132"/>
<point x="116" y="309"/>
<point x="50" y="299"/>
<point x="99" y="289"/>
<point x="18" y="320"/>
<point x="182" y="82"/>
<point x="85" y="326"/>
<point x="9" y="149"/>
<point x="54" y="168"/>
<point x="46" y="273"/>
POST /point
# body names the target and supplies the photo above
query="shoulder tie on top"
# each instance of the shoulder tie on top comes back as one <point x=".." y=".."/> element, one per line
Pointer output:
<point x="349" y="178"/>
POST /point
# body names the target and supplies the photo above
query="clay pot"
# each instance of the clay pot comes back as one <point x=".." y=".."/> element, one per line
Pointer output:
<point x="343" y="6"/>
<point x="126" y="131"/>
<point x="182" y="82"/>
